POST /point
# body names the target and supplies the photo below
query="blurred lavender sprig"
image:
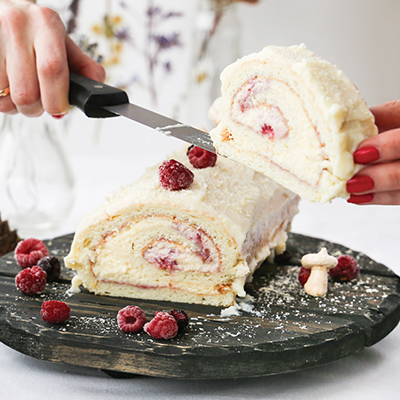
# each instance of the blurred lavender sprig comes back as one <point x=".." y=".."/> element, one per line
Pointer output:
<point x="157" y="42"/>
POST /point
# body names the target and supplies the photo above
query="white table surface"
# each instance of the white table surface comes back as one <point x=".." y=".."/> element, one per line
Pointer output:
<point x="116" y="155"/>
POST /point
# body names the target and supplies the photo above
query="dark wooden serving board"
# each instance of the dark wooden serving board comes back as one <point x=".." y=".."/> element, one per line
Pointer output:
<point x="286" y="330"/>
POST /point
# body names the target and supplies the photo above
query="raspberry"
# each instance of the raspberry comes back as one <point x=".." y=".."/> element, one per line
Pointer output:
<point x="162" y="326"/>
<point x="55" y="312"/>
<point x="131" y="319"/>
<point x="52" y="266"/>
<point x="304" y="273"/>
<point x="29" y="251"/>
<point x="267" y="130"/>
<point x="181" y="318"/>
<point x="201" y="158"/>
<point x="174" y="175"/>
<point x="346" y="269"/>
<point x="31" y="280"/>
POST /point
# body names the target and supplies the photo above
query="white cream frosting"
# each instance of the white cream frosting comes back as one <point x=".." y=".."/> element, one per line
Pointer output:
<point x="236" y="214"/>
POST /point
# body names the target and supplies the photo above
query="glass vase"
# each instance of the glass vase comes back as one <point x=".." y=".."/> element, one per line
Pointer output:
<point x="36" y="182"/>
<point x="216" y="38"/>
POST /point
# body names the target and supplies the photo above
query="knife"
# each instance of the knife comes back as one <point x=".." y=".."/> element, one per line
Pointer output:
<point x="98" y="100"/>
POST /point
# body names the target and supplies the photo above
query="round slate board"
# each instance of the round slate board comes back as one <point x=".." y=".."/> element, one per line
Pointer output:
<point x="281" y="329"/>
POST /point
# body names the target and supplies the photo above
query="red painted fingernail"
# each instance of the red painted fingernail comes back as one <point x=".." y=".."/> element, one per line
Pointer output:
<point x="360" y="183"/>
<point x="361" y="198"/>
<point x="58" y="116"/>
<point x="366" y="155"/>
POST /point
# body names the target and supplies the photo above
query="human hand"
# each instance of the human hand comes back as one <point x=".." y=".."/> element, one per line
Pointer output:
<point x="36" y="56"/>
<point x="379" y="181"/>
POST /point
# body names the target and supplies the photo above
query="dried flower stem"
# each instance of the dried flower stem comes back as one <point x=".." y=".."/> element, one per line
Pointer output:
<point x="218" y="14"/>
<point x="71" y="23"/>
<point x="151" y="59"/>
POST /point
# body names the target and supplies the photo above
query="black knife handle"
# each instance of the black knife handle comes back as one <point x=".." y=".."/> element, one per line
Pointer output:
<point x="91" y="96"/>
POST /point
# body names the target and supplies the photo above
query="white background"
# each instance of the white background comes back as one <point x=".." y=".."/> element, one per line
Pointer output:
<point x="362" y="38"/>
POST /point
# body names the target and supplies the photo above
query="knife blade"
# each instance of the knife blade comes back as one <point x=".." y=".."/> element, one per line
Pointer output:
<point x="98" y="100"/>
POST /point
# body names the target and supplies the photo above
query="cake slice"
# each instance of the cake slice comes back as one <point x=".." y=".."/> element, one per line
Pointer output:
<point x="295" y="118"/>
<point x="195" y="245"/>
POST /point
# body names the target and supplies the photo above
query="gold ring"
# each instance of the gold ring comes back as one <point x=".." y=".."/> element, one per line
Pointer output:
<point x="5" y="92"/>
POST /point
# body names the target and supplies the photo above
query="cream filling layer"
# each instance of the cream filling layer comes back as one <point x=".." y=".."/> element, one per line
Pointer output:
<point x="275" y="124"/>
<point x="154" y="246"/>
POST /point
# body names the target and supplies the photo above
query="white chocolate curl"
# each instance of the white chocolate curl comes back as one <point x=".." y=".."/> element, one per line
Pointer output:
<point x="320" y="263"/>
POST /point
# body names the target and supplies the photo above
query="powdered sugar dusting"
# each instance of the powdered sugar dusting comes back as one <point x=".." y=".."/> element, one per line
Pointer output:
<point x="276" y="310"/>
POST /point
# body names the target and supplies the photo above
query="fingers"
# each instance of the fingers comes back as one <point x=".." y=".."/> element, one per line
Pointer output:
<point x="24" y="90"/>
<point x="80" y="63"/>
<point x="35" y="57"/>
<point x="387" y="115"/>
<point x="391" y="198"/>
<point x="51" y="63"/>
<point x="376" y="184"/>
<point x="6" y="104"/>
<point x="379" y="181"/>
<point x="20" y="64"/>
<point x="380" y="148"/>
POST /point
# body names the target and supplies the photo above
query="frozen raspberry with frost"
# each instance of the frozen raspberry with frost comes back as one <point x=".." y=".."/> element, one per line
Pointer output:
<point x="55" y="312"/>
<point x="29" y="251"/>
<point x="201" y="158"/>
<point x="181" y="317"/>
<point x="131" y="319"/>
<point x="304" y="274"/>
<point x="162" y="326"/>
<point x="52" y="266"/>
<point x="346" y="269"/>
<point x="31" y="280"/>
<point x="174" y="175"/>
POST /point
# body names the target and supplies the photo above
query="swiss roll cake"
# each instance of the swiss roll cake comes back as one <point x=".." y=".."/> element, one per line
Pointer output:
<point x="197" y="244"/>
<point x="294" y="117"/>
